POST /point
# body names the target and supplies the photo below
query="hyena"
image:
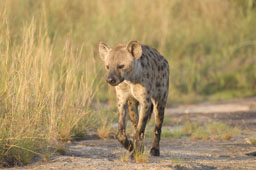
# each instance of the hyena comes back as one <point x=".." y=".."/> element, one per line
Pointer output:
<point x="140" y="75"/>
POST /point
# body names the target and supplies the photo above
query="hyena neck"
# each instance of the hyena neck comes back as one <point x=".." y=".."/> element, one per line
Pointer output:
<point x="135" y="75"/>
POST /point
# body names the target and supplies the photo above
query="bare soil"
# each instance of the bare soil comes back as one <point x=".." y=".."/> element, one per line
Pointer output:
<point x="179" y="154"/>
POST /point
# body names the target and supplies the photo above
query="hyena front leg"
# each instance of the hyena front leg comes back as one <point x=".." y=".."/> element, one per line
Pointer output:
<point x="144" y="115"/>
<point x="133" y="111"/>
<point x="121" y="135"/>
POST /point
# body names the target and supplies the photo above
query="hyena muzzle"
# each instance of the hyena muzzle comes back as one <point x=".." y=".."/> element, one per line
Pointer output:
<point x="140" y="75"/>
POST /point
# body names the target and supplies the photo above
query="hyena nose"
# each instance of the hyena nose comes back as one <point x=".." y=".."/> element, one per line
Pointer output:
<point x="111" y="80"/>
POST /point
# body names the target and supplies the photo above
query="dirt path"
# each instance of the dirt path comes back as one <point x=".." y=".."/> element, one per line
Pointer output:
<point x="180" y="154"/>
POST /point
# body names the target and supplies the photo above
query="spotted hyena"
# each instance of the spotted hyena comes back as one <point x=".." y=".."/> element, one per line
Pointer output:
<point x="140" y="75"/>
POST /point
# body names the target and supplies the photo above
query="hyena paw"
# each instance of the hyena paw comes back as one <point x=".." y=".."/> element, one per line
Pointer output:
<point x="154" y="152"/>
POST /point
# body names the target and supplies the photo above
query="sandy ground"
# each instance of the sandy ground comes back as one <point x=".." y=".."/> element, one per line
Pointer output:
<point x="179" y="154"/>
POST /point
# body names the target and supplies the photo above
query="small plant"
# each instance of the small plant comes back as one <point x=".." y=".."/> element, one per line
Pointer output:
<point x="176" y="161"/>
<point x="105" y="121"/>
<point x="140" y="157"/>
<point x="251" y="140"/>
<point x="124" y="157"/>
<point x="200" y="133"/>
<point x="104" y="132"/>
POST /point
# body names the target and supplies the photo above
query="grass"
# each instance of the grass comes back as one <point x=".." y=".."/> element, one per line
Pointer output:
<point x="141" y="157"/>
<point x="210" y="131"/>
<point x="104" y="132"/>
<point x="167" y="133"/>
<point x="125" y="157"/>
<point x="251" y="140"/>
<point x="177" y="161"/>
<point x="106" y="119"/>
<point x="177" y="133"/>
<point x="45" y="95"/>
<point x="196" y="130"/>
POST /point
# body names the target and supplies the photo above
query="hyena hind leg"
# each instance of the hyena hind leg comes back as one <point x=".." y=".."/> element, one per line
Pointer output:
<point x="159" y="118"/>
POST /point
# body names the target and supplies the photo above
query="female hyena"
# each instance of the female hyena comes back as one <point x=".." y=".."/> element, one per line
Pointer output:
<point x="141" y="78"/>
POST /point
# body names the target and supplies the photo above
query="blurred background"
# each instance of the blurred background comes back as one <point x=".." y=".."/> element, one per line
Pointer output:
<point x="51" y="74"/>
<point x="210" y="44"/>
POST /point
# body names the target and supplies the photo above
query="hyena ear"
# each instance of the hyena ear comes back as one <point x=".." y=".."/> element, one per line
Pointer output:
<point x="135" y="49"/>
<point x="103" y="50"/>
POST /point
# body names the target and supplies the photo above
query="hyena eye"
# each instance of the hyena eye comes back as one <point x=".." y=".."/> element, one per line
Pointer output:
<point x="120" y="66"/>
<point x="107" y="66"/>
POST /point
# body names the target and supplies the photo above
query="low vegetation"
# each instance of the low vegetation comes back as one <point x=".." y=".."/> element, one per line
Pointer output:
<point x="104" y="132"/>
<point x="141" y="157"/>
<point x="211" y="131"/>
<point x="106" y="119"/>
<point x="45" y="96"/>
<point x="125" y="157"/>
<point x="195" y="130"/>
<point x="251" y="140"/>
<point x="176" y="161"/>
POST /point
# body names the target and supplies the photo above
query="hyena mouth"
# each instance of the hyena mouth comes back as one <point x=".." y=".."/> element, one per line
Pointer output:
<point x="116" y="82"/>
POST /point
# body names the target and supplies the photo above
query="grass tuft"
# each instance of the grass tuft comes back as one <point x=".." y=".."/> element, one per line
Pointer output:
<point x="125" y="157"/>
<point x="251" y="140"/>
<point x="177" y="161"/>
<point x="140" y="157"/>
<point x="104" y="132"/>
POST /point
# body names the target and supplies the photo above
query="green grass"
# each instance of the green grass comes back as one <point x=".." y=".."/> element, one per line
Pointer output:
<point x="167" y="133"/>
<point x="51" y="76"/>
<point x="210" y="131"/>
<point x="177" y="161"/>
<point x="196" y="130"/>
<point x="251" y="140"/>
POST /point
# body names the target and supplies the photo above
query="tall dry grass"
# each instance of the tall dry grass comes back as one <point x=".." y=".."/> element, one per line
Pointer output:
<point x="44" y="95"/>
<point x="49" y="66"/>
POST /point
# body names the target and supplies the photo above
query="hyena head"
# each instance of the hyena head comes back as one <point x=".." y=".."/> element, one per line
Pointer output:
<point x="119" y="61"/>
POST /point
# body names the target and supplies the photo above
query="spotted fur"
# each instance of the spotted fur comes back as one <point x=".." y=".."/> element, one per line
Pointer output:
<point x="140" y="75"/>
